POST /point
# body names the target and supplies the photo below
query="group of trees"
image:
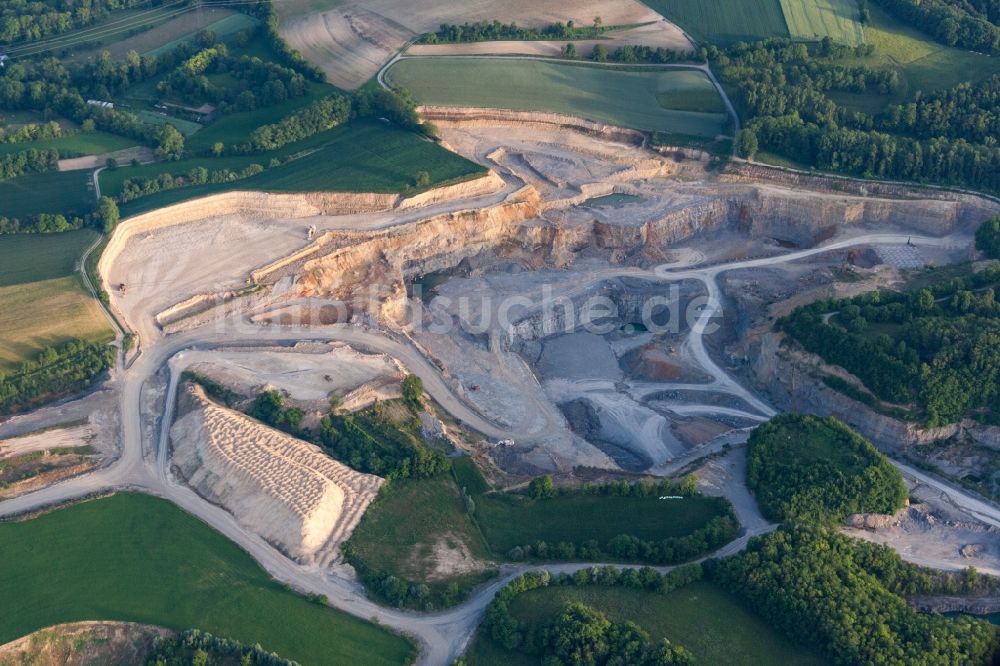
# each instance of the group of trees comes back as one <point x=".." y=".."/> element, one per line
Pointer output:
<point x="940" y="345"/>
<point x="32" y="20"/>
<point x="28" y="161"/>
<point x="56" y="371"/>
<point x="200" y="648"/>
<point x="103" y="218"/>
<point x="489" y="31"/>
<point x="542" y="487"/>
<point x="31" y="132"/>
<point x="579" y="634"/>
<point x="250" y="83"/>
<point x="321" y="115"/>
<point x="821" y="588"/>
<point x="781" y="87"/>
<point x="806" y="468"/>
<point x="970" y="24"/>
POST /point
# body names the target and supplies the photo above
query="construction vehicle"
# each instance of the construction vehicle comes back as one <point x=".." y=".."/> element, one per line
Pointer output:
<point x="121" y="288"/>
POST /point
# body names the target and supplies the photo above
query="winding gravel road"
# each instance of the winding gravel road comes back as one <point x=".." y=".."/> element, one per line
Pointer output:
<point x="443" y="635"/>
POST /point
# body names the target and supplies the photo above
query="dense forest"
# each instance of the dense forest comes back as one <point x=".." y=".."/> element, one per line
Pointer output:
<point x="781" y="87"/>
<point x="32" y="20"/>
<point x="937" y="347"/>
<point x="805" y="468"/>
<point x="57" y="371"/>
<point x="821" y="588"/>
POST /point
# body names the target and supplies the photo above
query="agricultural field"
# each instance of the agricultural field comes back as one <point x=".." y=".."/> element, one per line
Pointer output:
<point x="42" y="300"/>
<point x="74" y="145"/>
<point x="364" y="156"/>
<point x="706" y="620"/>
<point x="66" y="192"/>
<point x="510" y="520"/>
<point x="812" y="20"/>
<point x="106" y="559"/>
<point x="641" y="99"/>
<point x="163" y="29"/>
<point x="34" y="257"/>
<point x="725" y="22"/>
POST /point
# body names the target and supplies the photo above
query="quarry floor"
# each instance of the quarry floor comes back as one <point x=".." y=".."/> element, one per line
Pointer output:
<point x="500" y="390"/>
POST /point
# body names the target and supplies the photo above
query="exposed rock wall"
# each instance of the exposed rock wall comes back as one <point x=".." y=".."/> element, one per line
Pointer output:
<point x="286" y="490"/>
<point x="470" y="117"/>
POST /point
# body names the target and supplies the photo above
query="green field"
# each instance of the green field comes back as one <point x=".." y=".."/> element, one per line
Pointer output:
<point x="395" y="539"/>
<point x="922" y="64"/>
<point x="67" y="192"/>
<point x="33" y="257"/>
<point x="510" y="520"/>
<point x="74" y="145"/>
<point x="648" y="99"/>
<point x="725" y="22"/>
<point x="364" y="156"/>
<point x="234" y="128"/>
<point x="700" y="616"/>
<point x="811" y="20"/>
<point x="141" y="559"/>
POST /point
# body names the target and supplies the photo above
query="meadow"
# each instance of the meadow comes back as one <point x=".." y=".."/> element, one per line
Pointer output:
<point x="34" y="257"/>
<point x="66" y="192"/>
<point x="363" y="156"/>
<point x="74" y="145"/>
<point x="811" y="20"/>
<point x="141" y="559"/>
<point x="36" y="315"/>
<point x="646" y="99"/>
<point x="706" y="620"/>
<point x="510" y="520"/>
<point x="725" y="22"/>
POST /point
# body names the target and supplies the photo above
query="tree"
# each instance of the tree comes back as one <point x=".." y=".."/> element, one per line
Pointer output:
<point x="111" y="164"/>
<point x="569" y="51"/>
<point x="218" y="148"/>
<point x="412" y="389"/>
<point x="747" y="145"/>
<point x="542" y="487"/>
<point x="170" y="143"/>
<point x="423" y="179"/>
<point x="107" y="214"/>
<point x="600" y="53"/>
<point x="988" y="238"/>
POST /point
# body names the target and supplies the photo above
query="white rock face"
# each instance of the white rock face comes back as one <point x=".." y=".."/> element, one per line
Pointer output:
<point x="282" y="488"/>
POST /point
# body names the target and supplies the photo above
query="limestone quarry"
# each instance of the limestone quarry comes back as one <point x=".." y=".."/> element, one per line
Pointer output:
<point x="287" y="490"/>
<point x="590" y="306"/>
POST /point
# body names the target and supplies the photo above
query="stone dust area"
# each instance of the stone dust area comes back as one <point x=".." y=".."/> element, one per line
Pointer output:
<point x="288" y="491"/>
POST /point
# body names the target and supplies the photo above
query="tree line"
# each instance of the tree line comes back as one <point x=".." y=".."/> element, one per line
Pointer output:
<point x="781" y="88"/>
<point x="200" y="648"/>
<point x="33" y="160"/>
<point x="103" y="218"/>
<point x="57" y="371"/>
<point x="938" y="347"/>
<point x="490" y="31"/>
